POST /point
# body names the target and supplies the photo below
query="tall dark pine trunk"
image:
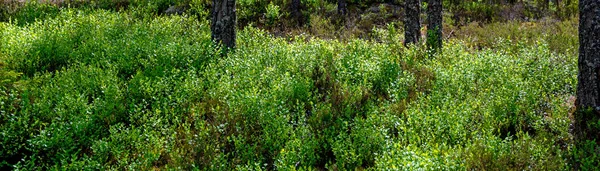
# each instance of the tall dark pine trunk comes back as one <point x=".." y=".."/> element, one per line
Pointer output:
<point x="558" y="9"/>
<point x="412" y="23"/>
<point x="342" y="9"/>
<point x="223" y="22"/>
<point x="588" y="88"/>
<point x="296" y="12"/>
<point x="434" y="25"/>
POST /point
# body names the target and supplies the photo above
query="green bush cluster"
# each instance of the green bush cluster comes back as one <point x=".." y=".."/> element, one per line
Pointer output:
<point x="85" y="73"/>
<point x="468" y="11"/>
<point x="560" y="36"/>
<point x="29" y="12"/>
<point x="107" y="39"/>
<point x="95" y="89"/>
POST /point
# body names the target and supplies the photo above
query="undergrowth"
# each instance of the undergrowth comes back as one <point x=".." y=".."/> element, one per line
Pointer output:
<point x="96" y="89"/>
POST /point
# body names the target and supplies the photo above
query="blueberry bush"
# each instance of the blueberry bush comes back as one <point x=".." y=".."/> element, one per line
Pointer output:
<point x="103" y="89"/>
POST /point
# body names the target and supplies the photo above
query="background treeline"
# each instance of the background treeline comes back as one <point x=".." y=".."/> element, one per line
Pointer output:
<point x="477" y="22"/>
<point x="321" y="17"/>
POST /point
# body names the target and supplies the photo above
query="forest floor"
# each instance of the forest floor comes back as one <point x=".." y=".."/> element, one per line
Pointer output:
<point x="98" y="89"/>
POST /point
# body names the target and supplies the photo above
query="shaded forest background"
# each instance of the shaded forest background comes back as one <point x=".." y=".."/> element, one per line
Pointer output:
<point x="320" y="18"/>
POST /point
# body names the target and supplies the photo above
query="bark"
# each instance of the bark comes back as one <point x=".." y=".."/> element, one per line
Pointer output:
<point x="412" y="23"/>
<point x="558" y="9"/>
<point x="342" y="9"/>
<point x="223" y="22"/>
<point x="434" y="25"/>
<point x="588" y="95"/>
<point x="296" y="11"/>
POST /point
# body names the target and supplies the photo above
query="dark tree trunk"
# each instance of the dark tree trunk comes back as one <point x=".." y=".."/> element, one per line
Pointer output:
<point x="588" y="96"/>
<point x="223" y="22"/>
<point x="412" y="23"/>
<point x="296" y="11"/>
<point x="342" y="10"/>
<point x="558" y="9"/>
<point x="434" y="25"/>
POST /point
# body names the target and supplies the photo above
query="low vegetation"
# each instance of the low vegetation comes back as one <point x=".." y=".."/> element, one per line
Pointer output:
<point x="102" y="89"/>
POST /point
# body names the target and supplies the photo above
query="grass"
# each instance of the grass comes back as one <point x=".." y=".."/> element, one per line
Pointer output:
<point x="103" y="90"/>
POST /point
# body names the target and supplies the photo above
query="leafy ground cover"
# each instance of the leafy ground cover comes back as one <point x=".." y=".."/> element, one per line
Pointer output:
<point x="97" y="89"/>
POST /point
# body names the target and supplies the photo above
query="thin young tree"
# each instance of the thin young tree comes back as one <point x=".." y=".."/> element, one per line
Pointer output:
<point x="412" y="23"/>
<point x="587" y="117"/>
<point x="223" y="22"/>
<point x="434" y="25"/>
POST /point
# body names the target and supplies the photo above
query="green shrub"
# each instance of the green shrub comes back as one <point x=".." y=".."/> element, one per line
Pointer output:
<point x="559" y="35"/>
<point x="430" y="157"/>
<point x="201" y="8"/>
<point x="63" y="123"/>
<point x="585" y="155"/>
<point x="272" y="14"/>
<point x="33" y="11"/>
<point x="106" y="90"/>
<point x="99" y="37"/>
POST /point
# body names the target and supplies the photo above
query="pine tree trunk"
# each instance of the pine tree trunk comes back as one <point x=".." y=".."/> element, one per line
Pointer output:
<point x="558" y="9"/>
<point x="342" y="9"/>
<point x="223" y="22"/>
<point x="296" y="12"/>
<point x="412" y="23"/>
<point x="588" y="95"/>
<point x="434" y="25"/>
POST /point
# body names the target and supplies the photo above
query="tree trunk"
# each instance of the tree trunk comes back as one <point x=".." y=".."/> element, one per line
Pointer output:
<point x="223" y="22"/>
<point x="342" y="9"/>
<point x="434" y="25"/>
<point x="412" y="23"/>
<point x="296" y="12"/>
<point x="558" y="9"/>
<point x="588" y="96"/>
